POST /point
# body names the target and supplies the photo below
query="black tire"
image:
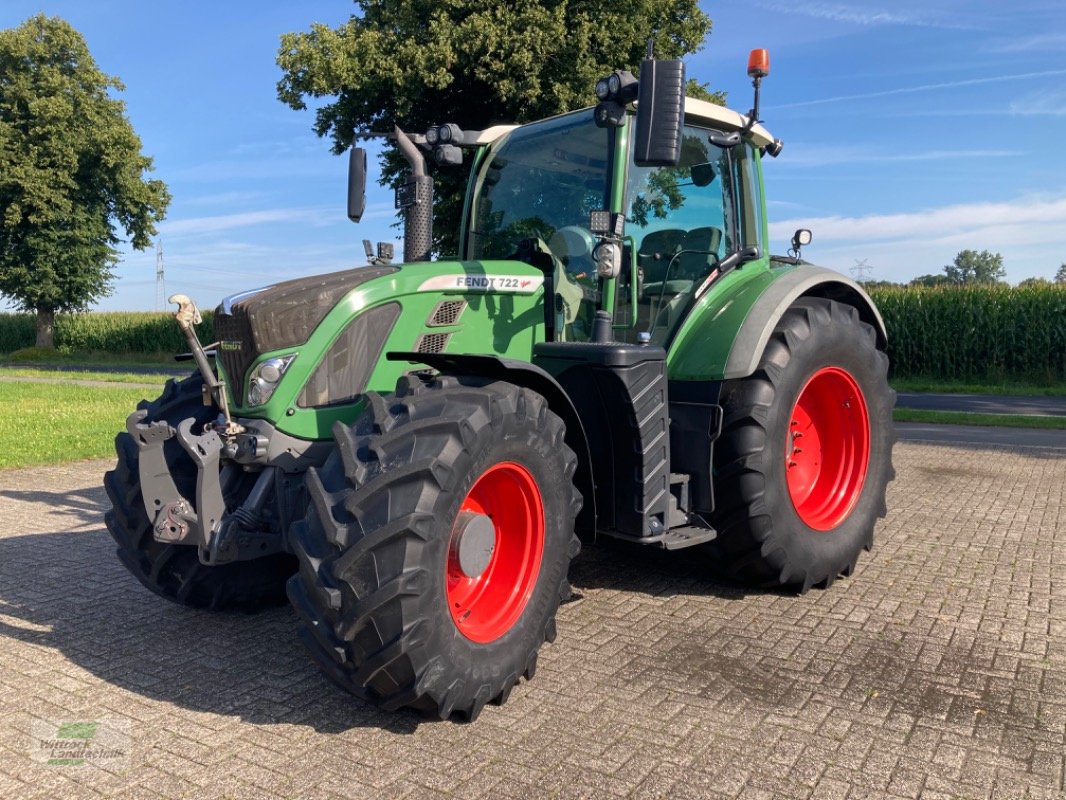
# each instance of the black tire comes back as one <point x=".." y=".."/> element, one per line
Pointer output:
<point x="762" y="538"/>
<point x="174" y="571"/>
<point x="374" y="546"/>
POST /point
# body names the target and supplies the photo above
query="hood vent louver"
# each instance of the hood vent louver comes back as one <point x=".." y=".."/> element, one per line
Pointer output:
<point x="432" y="342"/>
<point x="446" y="313"/>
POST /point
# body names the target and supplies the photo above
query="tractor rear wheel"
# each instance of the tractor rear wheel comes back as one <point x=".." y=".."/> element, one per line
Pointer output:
<point x="805" y="453"/>
<point x="170" y="570"/>
<point x="435" y="551"/>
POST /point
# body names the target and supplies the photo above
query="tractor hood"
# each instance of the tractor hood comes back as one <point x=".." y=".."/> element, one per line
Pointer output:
<point x="333" y="333"/>
<point x="280" y="316"/>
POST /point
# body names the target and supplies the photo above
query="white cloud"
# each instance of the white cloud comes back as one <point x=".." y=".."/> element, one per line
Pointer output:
<point x="819" y="156"/>
<point x="865" y="16"/>
<point x="1030" y="233"/>
<point x="934" y="223"/>
<point x="243" y="219"/>
<point x="927" y="87"/>
<point x="1049" y="103"/>
<point x="1025" y="44"/>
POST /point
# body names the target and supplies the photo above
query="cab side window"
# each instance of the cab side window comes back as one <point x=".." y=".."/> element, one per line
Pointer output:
<point x="751" y="202"/>
<point x="677" y="220"/>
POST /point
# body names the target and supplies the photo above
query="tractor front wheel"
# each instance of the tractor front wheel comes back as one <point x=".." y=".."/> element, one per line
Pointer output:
<point x="805" y="453"/>
<point x="436" y="549"/>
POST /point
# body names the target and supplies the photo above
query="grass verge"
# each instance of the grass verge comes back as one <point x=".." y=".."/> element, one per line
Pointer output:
<point x="1020" y="388"/>
<point x="984" y="420"/>
<point x="32" y="356"/>
<point x="52" y="423"/>
<point x="86" y="375"/>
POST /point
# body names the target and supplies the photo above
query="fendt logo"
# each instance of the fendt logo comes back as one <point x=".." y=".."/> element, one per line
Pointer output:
<point x="230" y="346"/>
<point x="503" y="284"/>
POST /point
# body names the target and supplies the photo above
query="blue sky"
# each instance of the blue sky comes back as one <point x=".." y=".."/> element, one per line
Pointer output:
<point x="912" y="130"/>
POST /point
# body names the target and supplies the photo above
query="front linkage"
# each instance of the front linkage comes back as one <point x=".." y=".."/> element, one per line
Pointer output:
<point x="220" y="535"/>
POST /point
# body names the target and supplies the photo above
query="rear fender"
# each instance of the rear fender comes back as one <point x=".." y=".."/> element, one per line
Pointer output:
<point x="522" y="373"/>
<point x="804" y="281"/>
<point x="727" y="331"/>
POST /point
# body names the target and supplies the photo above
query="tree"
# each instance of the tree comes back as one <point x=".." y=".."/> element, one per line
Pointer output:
<point x="1060" y="276"/>
<point x="1034" y="282"/>
<point x="416" y="64"/>
<point x="931" y="280"/>
<point x="71" y="173"/>
<point x="970" y="266"/>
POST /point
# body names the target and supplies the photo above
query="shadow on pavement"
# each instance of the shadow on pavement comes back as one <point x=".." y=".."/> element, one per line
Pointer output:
<point x="641" y="569"/>
<point x="88" y="501"/>
<point x="69" y="592"/>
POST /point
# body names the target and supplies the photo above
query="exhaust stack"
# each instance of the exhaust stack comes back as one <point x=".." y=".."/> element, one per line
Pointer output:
<point x="415" y="197"/>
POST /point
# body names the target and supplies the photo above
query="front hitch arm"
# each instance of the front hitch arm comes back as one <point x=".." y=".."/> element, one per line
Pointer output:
<point x="176" y="520"/>
<point x="188" y="316"/>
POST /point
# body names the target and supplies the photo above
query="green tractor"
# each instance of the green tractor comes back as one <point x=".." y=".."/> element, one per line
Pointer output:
<point x="414" y="453"/>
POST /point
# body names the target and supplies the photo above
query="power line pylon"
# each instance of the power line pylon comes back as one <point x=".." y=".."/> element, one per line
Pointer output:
<point x="861" y="270"/>
<point x="160" y="280"/>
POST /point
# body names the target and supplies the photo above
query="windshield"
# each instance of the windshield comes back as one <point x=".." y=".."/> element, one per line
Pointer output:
<point x="540" y="180"/>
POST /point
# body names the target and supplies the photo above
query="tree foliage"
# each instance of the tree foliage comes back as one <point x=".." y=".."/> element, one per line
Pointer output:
<point x="1060" y="276"/>
<point x="71" y="173"/>
<point x="930" y="280"/>
<point x="415" y="63"/>
<point x="1034" y="282"/>
<point x="970" y="266"/>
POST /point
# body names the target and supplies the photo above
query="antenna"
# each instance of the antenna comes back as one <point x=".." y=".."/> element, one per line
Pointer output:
<point x="862" y="270"/>
<point x="160" y="280"/>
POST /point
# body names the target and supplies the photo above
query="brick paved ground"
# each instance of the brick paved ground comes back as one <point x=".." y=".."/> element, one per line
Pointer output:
<point x="939" y="670"/>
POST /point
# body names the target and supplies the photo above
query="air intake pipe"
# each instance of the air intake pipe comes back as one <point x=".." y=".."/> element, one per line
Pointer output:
<point x="415" y="197"/>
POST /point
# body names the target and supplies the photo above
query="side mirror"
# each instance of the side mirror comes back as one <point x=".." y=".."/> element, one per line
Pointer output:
<point x="660" y="113"/>
<point x="356" y="183"/>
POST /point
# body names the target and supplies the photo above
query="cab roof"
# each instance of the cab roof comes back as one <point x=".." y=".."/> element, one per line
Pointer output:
<point x="696" y="110"/>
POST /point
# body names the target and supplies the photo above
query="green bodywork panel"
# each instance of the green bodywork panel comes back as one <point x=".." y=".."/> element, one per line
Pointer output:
<point x="506" y="323"/>
<point x="700" y="348"/>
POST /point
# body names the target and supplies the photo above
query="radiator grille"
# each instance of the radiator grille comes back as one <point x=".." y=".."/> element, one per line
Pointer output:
<point x="279" y="316"/>
<point x="236" y="348"/>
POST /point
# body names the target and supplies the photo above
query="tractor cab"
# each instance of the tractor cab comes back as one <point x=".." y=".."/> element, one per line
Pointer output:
<point x="542" y="182"/>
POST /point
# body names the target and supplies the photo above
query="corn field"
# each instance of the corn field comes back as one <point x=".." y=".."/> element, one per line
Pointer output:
<point x="976" y="332"/>
<point x="945" y="332"/>
<point x="104" y="332"/>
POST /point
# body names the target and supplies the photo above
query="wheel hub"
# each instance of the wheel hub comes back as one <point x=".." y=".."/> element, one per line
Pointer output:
<point x="494" y="552"/>
<point x="827" y="448"/>
<point x="473" y="542"/>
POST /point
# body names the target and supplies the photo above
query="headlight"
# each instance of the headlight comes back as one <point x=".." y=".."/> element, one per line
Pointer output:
<point x="265" y="378"/>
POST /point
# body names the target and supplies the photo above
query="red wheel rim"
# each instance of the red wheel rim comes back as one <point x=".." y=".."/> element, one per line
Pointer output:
<point x="827" y="448"/>
<point x="486" y="607"/>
